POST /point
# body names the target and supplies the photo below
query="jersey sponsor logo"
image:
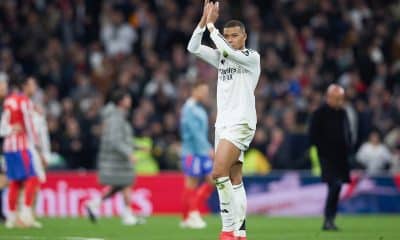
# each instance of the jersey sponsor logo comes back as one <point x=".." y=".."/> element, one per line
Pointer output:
<point x="228" y="70"/>
<point x="226" y="74"/>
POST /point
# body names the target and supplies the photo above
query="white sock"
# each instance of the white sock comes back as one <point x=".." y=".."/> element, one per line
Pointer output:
<point x="239" y="194"/>
<point x="11" y="216"/>
<point x="26" y="215"/>
<point x="26" y="210"/>
<point x="226" y="203"/>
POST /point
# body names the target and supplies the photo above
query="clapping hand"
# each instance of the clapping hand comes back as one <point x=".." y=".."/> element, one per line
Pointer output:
<point x="213" y="12"/>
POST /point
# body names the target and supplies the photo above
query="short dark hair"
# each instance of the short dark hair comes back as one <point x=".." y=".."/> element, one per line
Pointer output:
<point x="20" y="81"/>
<point x="118" y="95"/>
<point x="198" y="83"/>
<point x="235" y="23"/>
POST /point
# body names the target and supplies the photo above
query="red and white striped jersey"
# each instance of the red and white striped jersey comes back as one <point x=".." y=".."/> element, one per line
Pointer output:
<point x="18" y="110"/>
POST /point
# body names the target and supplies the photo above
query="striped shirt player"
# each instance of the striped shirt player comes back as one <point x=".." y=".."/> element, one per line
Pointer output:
<point x="18" y="112"/>
<point x="196" y="161"/>
<point x="19" y="136"/>
<point x="18" y="128"/>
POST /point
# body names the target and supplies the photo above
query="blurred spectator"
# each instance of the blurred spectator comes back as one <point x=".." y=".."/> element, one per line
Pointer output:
<point x="71" y="146"/>
<point x="278" y="150"/>
<point x="374" y="155"/>
<point x="117" y="35"/>
<point x="255" y="161"/>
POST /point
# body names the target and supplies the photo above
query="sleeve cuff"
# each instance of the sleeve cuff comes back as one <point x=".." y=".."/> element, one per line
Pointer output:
<point x="200" y="29"/>
<point x="211" y="28"/>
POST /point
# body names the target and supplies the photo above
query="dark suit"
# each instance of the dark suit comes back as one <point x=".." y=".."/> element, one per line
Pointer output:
<point x="330" y="133"/>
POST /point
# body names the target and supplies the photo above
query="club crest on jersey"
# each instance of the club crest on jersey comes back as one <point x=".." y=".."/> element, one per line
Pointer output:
<point x="246" y="52"/>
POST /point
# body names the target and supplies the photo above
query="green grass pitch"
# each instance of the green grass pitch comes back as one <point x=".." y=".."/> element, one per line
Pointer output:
<point x="368" y="227"/>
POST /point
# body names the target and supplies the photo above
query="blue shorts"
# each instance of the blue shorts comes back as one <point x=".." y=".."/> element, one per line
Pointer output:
<point x="196" y="165"/>
<point x="19" y="165"/>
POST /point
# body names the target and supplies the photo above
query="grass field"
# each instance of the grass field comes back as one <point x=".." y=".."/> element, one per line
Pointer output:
<point x="373" y="227"/>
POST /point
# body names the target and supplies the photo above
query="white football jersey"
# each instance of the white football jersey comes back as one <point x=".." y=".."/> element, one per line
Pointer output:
<point x="238" y="74"/>
<point x="39" y="120"/>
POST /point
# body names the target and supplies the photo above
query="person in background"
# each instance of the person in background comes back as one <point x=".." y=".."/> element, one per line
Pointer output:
<point x="197" y="155"/>
<point x="115" y="159"/>
<point x="39" y="121"/>
<point x="41" y="160"/>
<point x="20" y="136"/>
<point x="374" y="155"/>
<point x="330" y="133"/>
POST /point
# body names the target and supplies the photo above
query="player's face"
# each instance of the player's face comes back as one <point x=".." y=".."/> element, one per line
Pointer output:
<point x="235" y="36"/>
<point x="31" y="87"/>
<point x="203" y="93"/>
<point x="127" y="102"/>
<point x="335" y="101"/>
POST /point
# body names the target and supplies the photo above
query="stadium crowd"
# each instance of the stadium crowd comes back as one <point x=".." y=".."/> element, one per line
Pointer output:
<point x="82" y="50"/>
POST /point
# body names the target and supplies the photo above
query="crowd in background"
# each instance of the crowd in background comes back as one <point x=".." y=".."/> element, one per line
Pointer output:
<point x="81" y="50"/>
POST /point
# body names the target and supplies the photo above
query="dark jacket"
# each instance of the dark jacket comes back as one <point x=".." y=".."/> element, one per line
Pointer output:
<point x="330" y="133"/>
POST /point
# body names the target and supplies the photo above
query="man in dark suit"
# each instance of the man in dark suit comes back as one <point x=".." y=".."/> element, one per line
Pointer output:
<point x="330" y="133"/>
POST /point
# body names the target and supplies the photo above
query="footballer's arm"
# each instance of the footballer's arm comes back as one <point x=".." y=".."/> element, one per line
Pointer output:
<point x="208" y="54"/>
<point x="247" y="58"/>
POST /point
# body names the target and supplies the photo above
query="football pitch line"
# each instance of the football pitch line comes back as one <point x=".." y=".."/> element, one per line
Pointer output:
<point x="46" y="238"/>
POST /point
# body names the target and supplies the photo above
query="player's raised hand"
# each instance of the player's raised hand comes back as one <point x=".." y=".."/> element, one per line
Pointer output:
<point x="213" y="13"/>
<point x="206" y="9"/>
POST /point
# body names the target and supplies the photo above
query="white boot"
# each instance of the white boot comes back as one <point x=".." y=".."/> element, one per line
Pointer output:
<point x="128" y="218"/>
<point x="11" y="221"/>
<point x="194" y="221"/>
<point x="27" y="218"/>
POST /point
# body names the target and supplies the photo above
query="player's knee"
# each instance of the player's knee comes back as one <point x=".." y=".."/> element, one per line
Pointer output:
<point x="215" y="174"/>
<point x="236" y="179"/>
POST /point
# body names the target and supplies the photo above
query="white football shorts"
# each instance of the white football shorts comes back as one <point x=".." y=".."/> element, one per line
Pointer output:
<point x="239" y="135"/>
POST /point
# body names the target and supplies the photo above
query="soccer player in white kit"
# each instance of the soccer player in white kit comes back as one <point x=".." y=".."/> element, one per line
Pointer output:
<point x="238" y="74"/>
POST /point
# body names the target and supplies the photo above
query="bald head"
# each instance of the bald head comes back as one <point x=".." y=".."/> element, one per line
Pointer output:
<point x="335" y="96"/>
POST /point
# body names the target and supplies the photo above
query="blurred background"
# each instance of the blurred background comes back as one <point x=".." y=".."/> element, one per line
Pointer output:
<point x="81" y="50"/>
